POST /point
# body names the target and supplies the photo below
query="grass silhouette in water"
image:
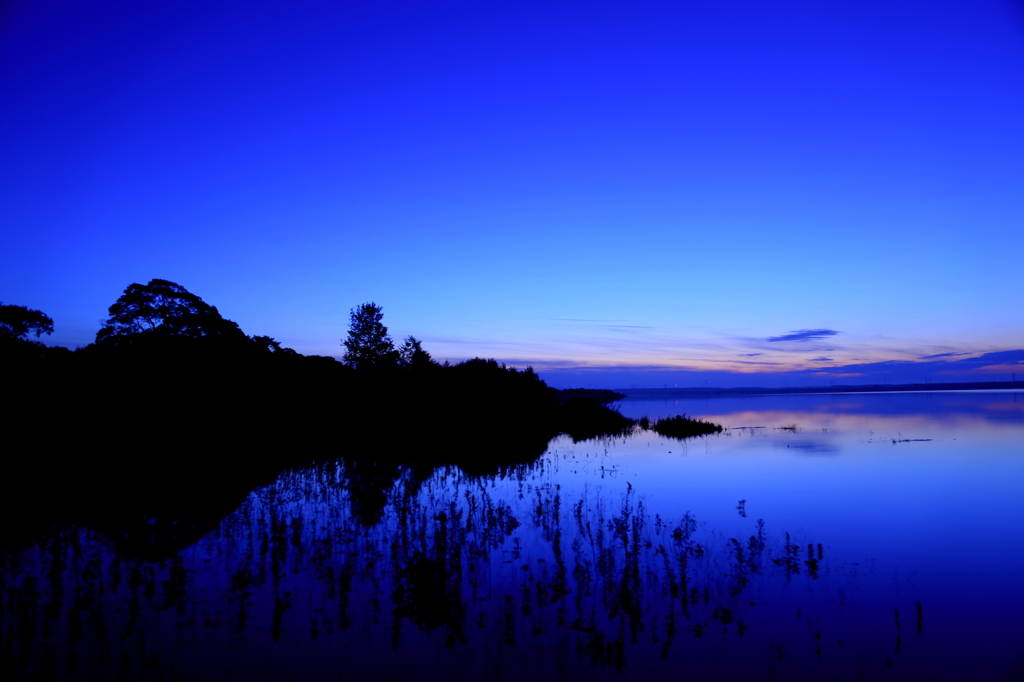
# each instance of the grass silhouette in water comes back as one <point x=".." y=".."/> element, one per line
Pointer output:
<point x="472" y="577"/>
<point x="587" y="419"/>
<point x="682" y="426"/>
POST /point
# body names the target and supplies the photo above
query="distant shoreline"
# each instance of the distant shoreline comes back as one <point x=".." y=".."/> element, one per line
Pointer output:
<point x="800" y="390"/>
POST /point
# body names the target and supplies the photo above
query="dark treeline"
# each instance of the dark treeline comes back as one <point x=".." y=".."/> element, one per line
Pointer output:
<point x="174" y="414"/>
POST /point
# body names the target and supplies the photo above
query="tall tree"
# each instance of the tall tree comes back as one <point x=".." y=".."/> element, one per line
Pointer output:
<point x="163" y="308"/>
<point x="368" y="345"/>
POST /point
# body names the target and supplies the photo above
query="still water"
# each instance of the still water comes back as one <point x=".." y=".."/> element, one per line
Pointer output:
<point x="870" y="536"/>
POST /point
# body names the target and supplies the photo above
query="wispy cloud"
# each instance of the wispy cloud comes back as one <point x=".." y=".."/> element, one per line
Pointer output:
<point x="579" y="319"/>
<point x="997" y="366"/>
<point x="941" y="355"/>
<point x="804" y="335"/>
<point x="750" y="355"/>
<point x="988" y="363"/>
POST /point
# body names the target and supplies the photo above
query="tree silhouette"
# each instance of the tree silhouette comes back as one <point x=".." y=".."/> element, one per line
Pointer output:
<point x="165" y="309"/>
<point x="412" y="356"/>
<point x="368" y="345"/>
<point x="268" y="344"/>
<point x="17" y="322"/>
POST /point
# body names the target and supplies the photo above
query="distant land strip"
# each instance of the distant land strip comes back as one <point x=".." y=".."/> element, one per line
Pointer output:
<point x="838" y="388"/>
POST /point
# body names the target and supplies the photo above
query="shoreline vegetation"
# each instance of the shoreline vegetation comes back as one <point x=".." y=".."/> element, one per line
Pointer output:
<point x="164" y="425"/>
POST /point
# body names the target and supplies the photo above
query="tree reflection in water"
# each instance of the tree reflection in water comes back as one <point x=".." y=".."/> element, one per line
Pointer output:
<point x="324" y="575"/>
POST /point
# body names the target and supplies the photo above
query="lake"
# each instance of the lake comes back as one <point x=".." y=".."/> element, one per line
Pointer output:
<point x="847" y="536"/>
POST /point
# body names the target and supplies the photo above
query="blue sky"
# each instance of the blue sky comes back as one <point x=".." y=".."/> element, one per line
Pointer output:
<point x="616" y="193"/>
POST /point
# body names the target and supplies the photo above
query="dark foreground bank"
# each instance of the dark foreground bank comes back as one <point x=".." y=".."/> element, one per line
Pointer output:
<point x="155" y="440"/>
<point x="174" y="415"/>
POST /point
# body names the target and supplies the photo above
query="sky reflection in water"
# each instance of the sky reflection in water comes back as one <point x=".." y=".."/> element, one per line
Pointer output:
<point x="926" y="487"/>
<point x="908" y="476"/>
<point x="574" y="568"/>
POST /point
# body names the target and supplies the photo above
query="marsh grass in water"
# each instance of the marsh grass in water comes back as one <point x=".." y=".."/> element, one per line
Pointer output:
<point x="458" y="572"/>
<point x="682" y="426"/>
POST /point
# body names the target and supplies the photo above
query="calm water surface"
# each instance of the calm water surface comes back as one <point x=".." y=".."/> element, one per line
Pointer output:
<point x="875" y="536"/>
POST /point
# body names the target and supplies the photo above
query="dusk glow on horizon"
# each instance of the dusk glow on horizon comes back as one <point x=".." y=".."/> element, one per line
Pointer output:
<point x="616" y="194"/>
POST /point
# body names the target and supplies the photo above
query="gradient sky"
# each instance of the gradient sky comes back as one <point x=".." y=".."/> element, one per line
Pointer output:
<point x="616" y="193"/>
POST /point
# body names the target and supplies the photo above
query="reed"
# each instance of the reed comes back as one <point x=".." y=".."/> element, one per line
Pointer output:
<point x="520" y="570"/>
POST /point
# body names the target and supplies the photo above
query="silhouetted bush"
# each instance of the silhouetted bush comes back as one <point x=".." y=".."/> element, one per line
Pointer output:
<point x="682" y="426"/>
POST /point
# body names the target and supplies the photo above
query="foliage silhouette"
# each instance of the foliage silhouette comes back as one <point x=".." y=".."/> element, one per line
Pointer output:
<point x="19" y="354"/>
<point x="17" y="322"/>
<point x="413" y="357"/>
<point x="162" y="308"/>
<point x="681" y="427"/>
<point x="368" y="345"/>
<point x="269" y="345"/>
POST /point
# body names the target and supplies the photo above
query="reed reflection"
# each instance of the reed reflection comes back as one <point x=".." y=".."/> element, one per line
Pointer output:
<point x="474" y="574"/>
